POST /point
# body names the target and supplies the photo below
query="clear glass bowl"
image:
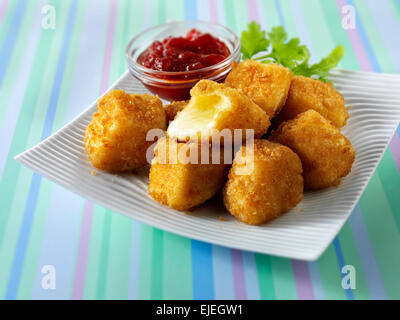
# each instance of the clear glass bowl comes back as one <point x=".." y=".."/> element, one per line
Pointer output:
<point x="176" y="85"/>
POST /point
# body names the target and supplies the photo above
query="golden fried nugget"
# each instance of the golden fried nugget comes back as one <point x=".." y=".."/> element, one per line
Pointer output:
<point x="173" y="108"/>
<point x="182" y="184"/>
<point x="213" y="108"/>
<point x="274" y="186"/>
<point x="306" y="93"/>
<point x="115" y="139"/>
<point x="326" y="154"/>
<point x="266" y="84"/>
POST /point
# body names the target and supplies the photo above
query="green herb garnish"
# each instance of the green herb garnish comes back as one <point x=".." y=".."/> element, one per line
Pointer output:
<point x="290" y="53"/>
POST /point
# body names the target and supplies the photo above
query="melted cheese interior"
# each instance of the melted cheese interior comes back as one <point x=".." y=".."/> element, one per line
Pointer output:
<point x="199" y="118"/>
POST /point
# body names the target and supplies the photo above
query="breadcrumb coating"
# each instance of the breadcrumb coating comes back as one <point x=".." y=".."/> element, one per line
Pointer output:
<point x="326" y="154"/>
<point x="273" y="187"/>
<point x="115" y="139"/>
<point x="306" y="93"/>
<point x="213" y="108"/>
<point x="183" y="185"/>
<point x="172" y="109"/>
<point x="266" y="84"/>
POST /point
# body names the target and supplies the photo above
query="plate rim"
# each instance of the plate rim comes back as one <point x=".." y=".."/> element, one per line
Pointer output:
<point x="313" y="254"/>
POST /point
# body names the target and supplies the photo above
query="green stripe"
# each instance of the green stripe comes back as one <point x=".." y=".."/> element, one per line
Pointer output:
<point x="157" y="259"/>
<point x="15" y="59"/>
<point x="271" y="14"/>
<point x="264" y="271"/>
<point x="123" y="34"/>
<point x="287" y="13"/>
<point x="119" y="258"/>
<point x="388" y="173"/>
<point x="350" y="256"/>
<point x="175" y="9"/>
<point x="333" y="20"/>
<point x="321" y="41"/>
<point x="240" y="16"/>
<point x="145" y="262"/>
<point x="161" y="12"/>
<point x="177" y="273"/>
<point x="395" y="8"/>
<point x="383" y="233"/>
<point x="95" y="251"/>
<point x="154" y="12"/>
<point x="330" y="275"/>
<point x="283" y="279"/>
<point x="230" y="18"/>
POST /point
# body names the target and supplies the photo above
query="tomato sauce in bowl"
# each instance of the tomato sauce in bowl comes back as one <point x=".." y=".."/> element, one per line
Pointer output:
<point x="169" y="62"/>
<point x="195" y="51"/>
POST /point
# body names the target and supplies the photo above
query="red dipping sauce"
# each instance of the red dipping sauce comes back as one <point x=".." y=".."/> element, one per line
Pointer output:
<point x="179" y="54"/>
<point x="183" y="57"/>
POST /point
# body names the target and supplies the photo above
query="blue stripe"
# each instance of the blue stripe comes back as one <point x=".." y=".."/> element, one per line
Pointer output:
<point x="280" y="14"/>
<point x="133" y="291"/>
<point x="367" y="255"/>
<point x="19" y="256"/>
<point x="190" y="8"/>
<point x="202" y="271"/>
<point x="316" y="281"/>
<point x="9" y="41"/>
<point x="364" y="38"/>
<point x="223" y="275"/>
<point x="251" y="276"/>
<point x="25" y="229"/>
<point x="340" y="259"/>
<point x="386" y="23"/>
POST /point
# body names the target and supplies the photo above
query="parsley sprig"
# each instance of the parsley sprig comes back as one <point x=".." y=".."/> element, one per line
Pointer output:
<point x="275" y="47"/>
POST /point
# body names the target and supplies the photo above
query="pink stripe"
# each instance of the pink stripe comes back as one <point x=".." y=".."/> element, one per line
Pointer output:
<point x="105" y="77"/>
<point x="212" y="4"/>
<point x="252" y="10"/>
<point x="83" y="249"/>
<point x="356" y="43"/>
<point x="238" y="275"/>
<point x="395" y="149"/>
<point x="3" y="9"/>
<point x="302" y="279"/>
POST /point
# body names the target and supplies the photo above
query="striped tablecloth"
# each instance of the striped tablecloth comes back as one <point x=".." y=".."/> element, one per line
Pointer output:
<point x="47" y="76"/>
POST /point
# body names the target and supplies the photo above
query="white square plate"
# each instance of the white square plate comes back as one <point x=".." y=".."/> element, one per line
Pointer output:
<point x="373" y="102"/>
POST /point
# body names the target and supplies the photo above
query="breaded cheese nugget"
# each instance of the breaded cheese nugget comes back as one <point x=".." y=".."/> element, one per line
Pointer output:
<point x="326" y="154"/>
<point x="306" y="93"/>
<point x="180" y="184"/>
<point x="173" y="108"/>
<point x="214" y="107"/>
<point x="274" y="186"/>
<point x="266" y="84"/>
<point x="115" y="139"/>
